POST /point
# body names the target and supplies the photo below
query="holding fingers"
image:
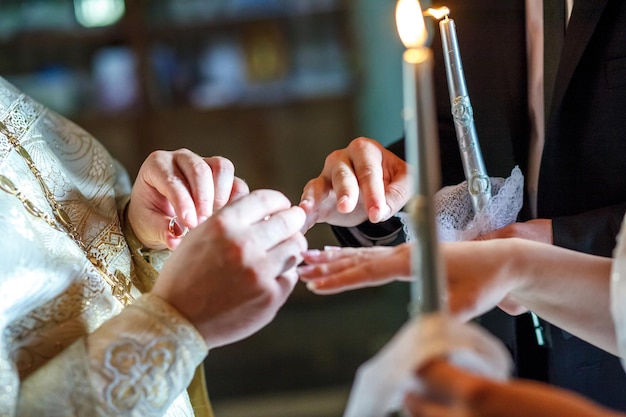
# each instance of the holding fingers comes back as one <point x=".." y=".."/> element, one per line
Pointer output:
<point x="232" y="273"/>
<point x="363" y="181"/>
<point x="176" y="190"/>
<point x="451" y="391"/>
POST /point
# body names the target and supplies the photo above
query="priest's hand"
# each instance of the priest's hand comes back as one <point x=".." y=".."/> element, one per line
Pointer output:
<point x="232" y="273"/>
<point x="363" y="181"/>
<point x="182" y="184"/>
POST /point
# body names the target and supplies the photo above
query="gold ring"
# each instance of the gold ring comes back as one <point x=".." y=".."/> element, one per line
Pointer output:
<point x="176" y="229"/>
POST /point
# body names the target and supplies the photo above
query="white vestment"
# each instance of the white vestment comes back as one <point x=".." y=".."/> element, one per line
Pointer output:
<point x="68" y="346"/>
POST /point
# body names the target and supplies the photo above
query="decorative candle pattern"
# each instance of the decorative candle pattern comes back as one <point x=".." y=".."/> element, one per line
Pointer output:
<point x="478" y="182"/>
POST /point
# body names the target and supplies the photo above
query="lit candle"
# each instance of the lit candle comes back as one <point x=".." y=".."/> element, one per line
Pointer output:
<point x="420" y="129"/>
<point x="478" y="182"/>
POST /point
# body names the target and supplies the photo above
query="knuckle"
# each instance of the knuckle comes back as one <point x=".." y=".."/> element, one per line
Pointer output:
<point x="172" y="180"/>
<point x="156" y="154"/>
<point x="334" y="156"/>
<point x="182" y="153"/>
<point x="198" y="167"/>
<point x="342" y="174"/>
<point x="222" y="165"/>
<point x="366" y="171"/>
<point x="361" y="143"/>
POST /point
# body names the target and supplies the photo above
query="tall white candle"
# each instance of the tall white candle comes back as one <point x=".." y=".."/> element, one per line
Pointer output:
<point x="422" y="150"/>
<point x="478" y="182"/>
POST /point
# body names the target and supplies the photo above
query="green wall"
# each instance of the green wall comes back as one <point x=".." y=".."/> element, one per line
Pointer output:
<point x="380" y="56"/>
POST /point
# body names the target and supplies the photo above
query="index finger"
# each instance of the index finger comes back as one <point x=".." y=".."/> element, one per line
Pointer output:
<point x="367" y="160"/>
<point x="369" y="173"/>
<point x="223" y="171"/>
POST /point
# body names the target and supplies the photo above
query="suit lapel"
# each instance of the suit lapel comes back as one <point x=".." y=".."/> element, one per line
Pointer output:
<point x="584" y="19"/>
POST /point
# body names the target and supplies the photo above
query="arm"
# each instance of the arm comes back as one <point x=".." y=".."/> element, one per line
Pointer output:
<point x="564" y="287"/>
<point x="567" y="288"/>
<point x="226" y="280"/>
<point x="453" y="391"/>
<point x="137" y="362"/>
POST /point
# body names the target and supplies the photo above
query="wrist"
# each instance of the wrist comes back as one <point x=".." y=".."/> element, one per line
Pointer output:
<point x="515" y="271"/>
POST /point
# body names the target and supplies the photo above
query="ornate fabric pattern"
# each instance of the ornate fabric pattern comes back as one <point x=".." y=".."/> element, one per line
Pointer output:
<point x="52" y="298"/>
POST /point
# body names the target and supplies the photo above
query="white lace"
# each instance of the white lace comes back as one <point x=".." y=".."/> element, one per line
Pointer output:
<point x="454" y="213"/>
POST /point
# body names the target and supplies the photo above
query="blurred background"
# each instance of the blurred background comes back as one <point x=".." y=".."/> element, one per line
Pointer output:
<point x="273" y="85"/>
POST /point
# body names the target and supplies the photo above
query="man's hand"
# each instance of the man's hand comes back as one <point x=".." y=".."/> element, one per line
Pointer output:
<point x="232" y="273"/>
<point x="360" y="182"/>
<point x="183" y="184"/>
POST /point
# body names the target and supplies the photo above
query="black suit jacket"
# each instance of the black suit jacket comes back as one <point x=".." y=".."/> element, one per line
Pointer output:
<point x="582" y="184"/>
<point x="582" y="180"/>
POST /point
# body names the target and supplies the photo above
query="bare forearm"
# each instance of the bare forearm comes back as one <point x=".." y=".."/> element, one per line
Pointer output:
<point x="569" y="289"/>
<point x="534" y="399"/>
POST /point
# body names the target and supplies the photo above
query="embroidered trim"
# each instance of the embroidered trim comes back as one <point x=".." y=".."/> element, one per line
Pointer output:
<point x="139" y="374"/>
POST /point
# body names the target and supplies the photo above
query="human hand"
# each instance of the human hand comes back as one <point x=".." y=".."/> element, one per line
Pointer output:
<point x="182" y="184"/>
<point x="360" y="182"/>
<point x="447" y="391"/>
<point x="341" y="269"/>
<point x="481" y="275"/>
<point x="232" y="273"/>
<point x="539" y="230"/>
<point x="451" y="391"/>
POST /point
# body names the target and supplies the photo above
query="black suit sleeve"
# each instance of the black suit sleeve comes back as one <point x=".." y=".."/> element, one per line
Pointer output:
<point x="590" y="232"/>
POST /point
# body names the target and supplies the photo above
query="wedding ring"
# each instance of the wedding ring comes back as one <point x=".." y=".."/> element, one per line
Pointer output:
<point x="176" y="229"/>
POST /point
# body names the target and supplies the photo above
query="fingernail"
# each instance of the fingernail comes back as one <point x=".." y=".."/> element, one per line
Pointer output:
<point x="202" y="219"/>
<point x="385" y="213"/>
<point x="311" y="286"/>
<point x="312" y="252"/>
<point x="305" y="269"/>
<point x="343" y="200"/>
<point x="332" y="248"/>
<point x="378" y="214"/>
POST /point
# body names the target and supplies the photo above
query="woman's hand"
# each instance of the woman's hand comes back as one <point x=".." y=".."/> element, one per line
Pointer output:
<point x="479" y="275"/>
<point x="341" y="269"/>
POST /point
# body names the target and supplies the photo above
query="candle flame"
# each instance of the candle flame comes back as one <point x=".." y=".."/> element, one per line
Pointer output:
<point x="410" y="22"/>
<point x="438" y="13"/>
